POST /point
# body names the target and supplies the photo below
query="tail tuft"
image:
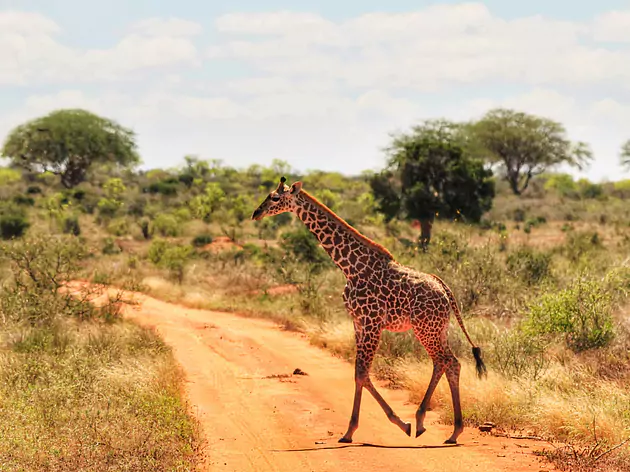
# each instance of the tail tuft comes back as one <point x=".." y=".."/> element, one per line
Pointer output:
<point x="481" y="367"/>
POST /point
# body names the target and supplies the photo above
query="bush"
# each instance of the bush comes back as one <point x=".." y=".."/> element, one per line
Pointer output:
<point x="519" y="215"/>
<point x="517" y="355"/>
<point x="13" y="221"/>
<point x="201" y="240"/>
<point x="118" y="227"/>
<point x="70" y="225"/>
<point x="581" y="314"/>
<point x="579" y="243"/>
<point x="40" y="266"/>
<point x="166" y="225"/>
<point x="110" y="247"/>
<point x="107" y="207"/>
<point x="529" y="265"/>
<point x="167" y="187"/>
<point x="23" y="200"/>
<point x="173" y="258"/>
<point x="157" y="250"/>
<point x="33" y="190"/>
<point x="304" y="247"/>
<point x="9" y="176"/>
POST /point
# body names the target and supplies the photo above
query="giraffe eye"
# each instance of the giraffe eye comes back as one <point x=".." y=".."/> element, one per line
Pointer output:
<point x="275" y="198"/>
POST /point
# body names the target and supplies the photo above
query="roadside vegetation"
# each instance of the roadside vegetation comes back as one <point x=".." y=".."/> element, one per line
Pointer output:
<point x="81" y="389"/>
<point x="539" y="262"/>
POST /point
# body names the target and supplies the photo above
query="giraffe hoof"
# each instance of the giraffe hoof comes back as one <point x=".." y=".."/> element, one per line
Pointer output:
<point x="408" y="431"/>
<point x="345" y="440"/>
<point x="450" y="441"/>
<point x="420" y="431"/>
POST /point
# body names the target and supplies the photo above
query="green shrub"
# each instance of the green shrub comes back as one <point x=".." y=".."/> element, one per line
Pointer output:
<point x="519" y="215"/>
<point x="23" y="200"/>
<point x="166" y="225"/>
<point x="157" y="250"/>
<point x="529" y="265"/>
<point x="304" y="247"/>
<point x="137" y="206"/>
<point x="588" y="189"/>
<point x="40" y="265"/>
<point x="201" y="240"/>
<point x="581" y="314"/>
<point x="9" y="176"/>
<point x="70" y="225"/>
<point x="107" y="207"/>
<point x="517" y="355"/>
<point x="182" y="214"/>
<point x="79" y="194"/>
<point x="170" y="257"/>
<point x="579" y="243"/>
<point x="13" y="221"/>
<point x="110" y="247"/>
<point x="166" y="187"/>
<point x="174" y="260"/>
<point x="118" y="227"/>
<point x="33" y="190"/>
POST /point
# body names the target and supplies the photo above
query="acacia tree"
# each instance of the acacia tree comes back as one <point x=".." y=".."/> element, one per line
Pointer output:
<point x="428" y="173"/>
<point x="525" y="145"/>
<point x="625" y="155"/>
<point x="67" y="142"/>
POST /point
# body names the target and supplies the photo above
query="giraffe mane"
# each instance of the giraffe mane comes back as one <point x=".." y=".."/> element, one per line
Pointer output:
<point x="364" y="239"/>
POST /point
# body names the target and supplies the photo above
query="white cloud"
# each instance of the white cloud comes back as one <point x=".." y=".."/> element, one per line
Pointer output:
<point x="28" y="23"/>
<point x="613" y="26"/>
<point x="441" y="44"/>
<point x="30" y="52"/>
<point x="167" y="27"/>
<point x="274" y="23"/>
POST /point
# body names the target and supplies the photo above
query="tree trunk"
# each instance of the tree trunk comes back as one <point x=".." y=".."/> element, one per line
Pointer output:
<point x="425" y="233"/>
<point x="513" y="180"/>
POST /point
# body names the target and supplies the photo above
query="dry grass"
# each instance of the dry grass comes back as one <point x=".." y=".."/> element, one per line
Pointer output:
<point x="92" y="397"/>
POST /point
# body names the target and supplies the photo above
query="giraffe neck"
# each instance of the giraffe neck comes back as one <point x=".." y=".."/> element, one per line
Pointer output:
<point x="351" y="251"/>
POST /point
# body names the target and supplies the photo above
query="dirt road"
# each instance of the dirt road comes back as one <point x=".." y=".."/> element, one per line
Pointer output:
<point x="254" y="419"/>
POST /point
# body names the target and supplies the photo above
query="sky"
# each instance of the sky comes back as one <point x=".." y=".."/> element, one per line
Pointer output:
<point x="321" y="85"/>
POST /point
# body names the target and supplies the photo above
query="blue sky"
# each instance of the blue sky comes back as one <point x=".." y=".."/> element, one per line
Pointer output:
<point x="318" y="84"/>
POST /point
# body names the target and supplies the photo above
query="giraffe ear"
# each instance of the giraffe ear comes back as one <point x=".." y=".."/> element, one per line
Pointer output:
<point x="295" y="188"/>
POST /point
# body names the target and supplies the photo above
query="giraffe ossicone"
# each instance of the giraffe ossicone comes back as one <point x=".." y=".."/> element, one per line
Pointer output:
<point x="381" y="294"/>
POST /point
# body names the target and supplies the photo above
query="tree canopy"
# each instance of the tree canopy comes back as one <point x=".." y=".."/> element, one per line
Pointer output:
<point x="67" y="142"/>
<point x="525" y="145"/>
<point x="428" y="173"/>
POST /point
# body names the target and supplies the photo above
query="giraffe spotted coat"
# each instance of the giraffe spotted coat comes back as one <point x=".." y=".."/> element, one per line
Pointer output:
<point x="381" y="294"/>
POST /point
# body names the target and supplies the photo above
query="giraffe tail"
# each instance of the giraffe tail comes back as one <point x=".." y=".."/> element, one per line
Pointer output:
<point x="479" y="364"/>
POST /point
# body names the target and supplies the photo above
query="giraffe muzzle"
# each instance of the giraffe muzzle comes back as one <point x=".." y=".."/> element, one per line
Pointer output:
<point x="257" y="215"/>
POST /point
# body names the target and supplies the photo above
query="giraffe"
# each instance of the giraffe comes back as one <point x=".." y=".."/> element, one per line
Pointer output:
<point x="381" y="294"/>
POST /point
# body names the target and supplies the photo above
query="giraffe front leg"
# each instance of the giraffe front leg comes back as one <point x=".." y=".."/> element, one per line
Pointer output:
<point x="362" y="363"/>
<point x="354" y="418"/>
<point x="393" y="417"/>
<point x="367" y="343"/>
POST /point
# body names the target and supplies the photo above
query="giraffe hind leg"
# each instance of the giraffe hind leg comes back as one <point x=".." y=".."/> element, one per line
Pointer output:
<point x="366" y="349"/>
<point x="443" y="361"/>
<point x="438" y="370"/>
<point x="452" y="375"/>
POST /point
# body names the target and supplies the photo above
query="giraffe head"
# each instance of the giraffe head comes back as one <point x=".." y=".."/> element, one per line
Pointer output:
<point x="278" y="201"/>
